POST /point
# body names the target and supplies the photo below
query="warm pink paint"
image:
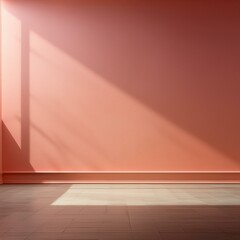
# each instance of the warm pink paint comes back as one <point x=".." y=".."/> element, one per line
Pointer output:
<point x="121" y="85"/>
<point x="0" y="94"/>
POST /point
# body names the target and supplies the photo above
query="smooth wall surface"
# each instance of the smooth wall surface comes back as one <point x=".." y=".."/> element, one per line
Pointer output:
<point x="0" y="95"/>
<point x="121" y="85"/>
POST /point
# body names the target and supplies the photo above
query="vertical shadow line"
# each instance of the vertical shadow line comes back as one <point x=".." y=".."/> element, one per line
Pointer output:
<point x="25" y="93"/>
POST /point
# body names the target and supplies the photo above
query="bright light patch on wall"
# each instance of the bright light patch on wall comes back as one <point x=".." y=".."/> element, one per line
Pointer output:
<point x="11" y="74"/>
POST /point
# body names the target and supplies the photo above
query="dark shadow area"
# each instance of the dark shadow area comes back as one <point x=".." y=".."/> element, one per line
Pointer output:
<point x="12" y="149"/>
<point x="180" y="58"/>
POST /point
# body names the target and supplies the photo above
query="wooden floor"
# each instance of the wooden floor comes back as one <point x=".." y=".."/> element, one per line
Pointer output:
<point x="120" y="212"/>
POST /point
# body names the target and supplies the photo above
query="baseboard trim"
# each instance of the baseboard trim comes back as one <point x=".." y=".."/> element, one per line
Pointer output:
<point x="122" y="177"/>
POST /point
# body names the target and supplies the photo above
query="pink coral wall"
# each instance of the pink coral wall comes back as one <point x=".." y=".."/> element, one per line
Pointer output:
<point x="121" y="85"/>
<point x="0" y="95"/>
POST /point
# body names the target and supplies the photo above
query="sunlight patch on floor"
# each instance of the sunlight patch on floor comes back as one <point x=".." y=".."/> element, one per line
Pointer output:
<point x="147" y="195"/>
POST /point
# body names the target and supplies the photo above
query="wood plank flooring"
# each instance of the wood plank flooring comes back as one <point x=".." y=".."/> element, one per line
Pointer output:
<point x="120" y="212"/>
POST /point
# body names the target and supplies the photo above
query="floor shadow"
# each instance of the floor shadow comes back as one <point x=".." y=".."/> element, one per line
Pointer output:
<point x="165" y="54"/>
